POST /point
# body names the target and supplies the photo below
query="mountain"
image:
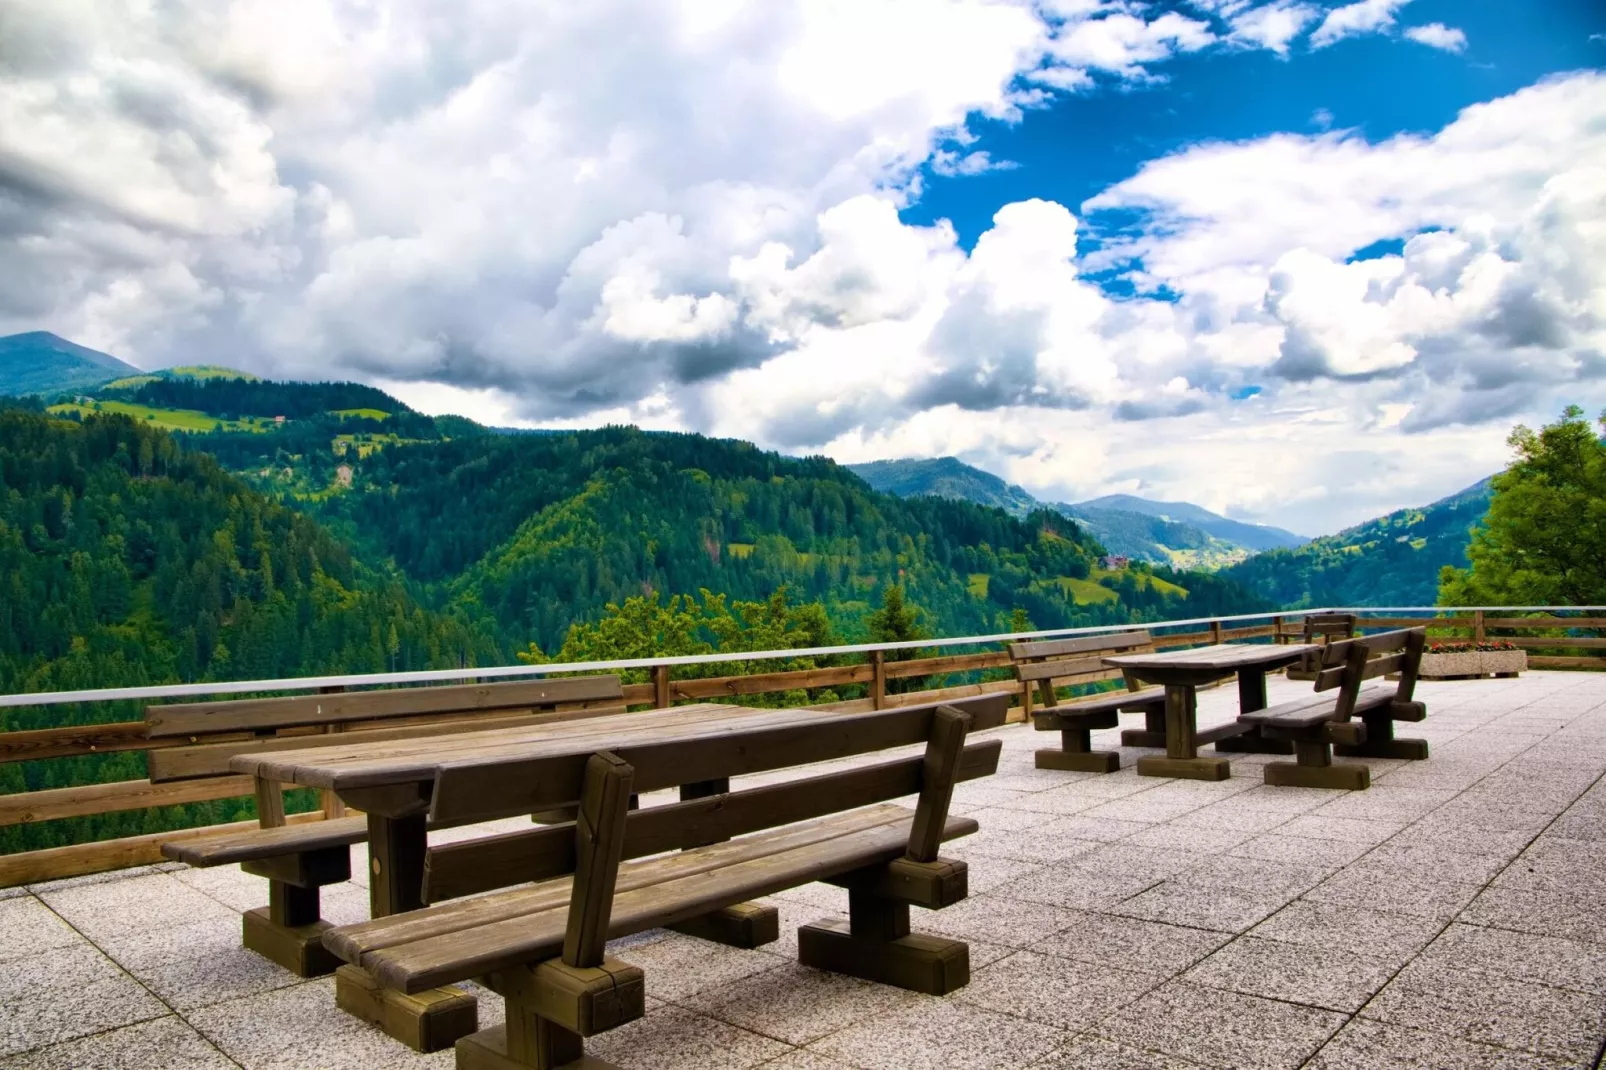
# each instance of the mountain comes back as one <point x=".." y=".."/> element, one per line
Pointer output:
<point x="945" y="477"/>
<point x="39" y="362"/>
<point x="1161" y="533"/>
<point x="1156" y="539"/>
<point x="1249" y="536"/>
<point x="1393" y="560"/>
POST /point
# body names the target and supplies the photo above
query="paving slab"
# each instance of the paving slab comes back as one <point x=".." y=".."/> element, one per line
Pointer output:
<point x="169" y="1043"/>
<point x="1296" y="973"/>
<point x="65" y="993"/>
<point x="1055" y="991"/>
<point x="1554" y="1023"/>
<point x="942" y="1035"/>
<point x="1367" y="1045"/>
<point x="1222" y="1029"/>
<point x="1132" y="943"/>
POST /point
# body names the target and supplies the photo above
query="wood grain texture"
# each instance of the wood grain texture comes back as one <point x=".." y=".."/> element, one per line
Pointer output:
<point x="26" y="807"/>
<point x="54" y="863"/>
<point x="479" y="865"/>
<point x="199" y="718"/>
<point x="353" y="941"/>
<point x="530" y="937"/>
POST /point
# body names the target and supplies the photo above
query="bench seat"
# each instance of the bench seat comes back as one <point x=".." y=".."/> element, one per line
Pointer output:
<point x="1356" y="720"/>
<point x="1062" y="717"/>
<point x="1039" y="665"/>
<point x="256" y="845"/>
<point x="469" y="938"/>
<point x="1312" y="710"/>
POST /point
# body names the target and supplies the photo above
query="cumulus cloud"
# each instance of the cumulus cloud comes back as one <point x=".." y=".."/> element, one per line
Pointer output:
<point x="1438" y="35"/>
<point x="1273" y="26"/>
<point x="1353" y="20"/>
<point x="534" y="215"/>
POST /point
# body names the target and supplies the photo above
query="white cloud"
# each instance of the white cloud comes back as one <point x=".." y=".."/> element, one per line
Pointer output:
<point x="1273" y="26"/>
<point x="696" y="224"/>
<point x="1438" y="35"/>
<point x="1353" y="20"/>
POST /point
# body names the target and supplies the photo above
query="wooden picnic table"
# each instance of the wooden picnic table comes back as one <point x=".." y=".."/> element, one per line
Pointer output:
<point x="1181" y="672"/>
<point x="392" y="782"/>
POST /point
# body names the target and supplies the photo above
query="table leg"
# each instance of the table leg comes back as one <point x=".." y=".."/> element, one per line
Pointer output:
<point x="426" y="1021"/>
<point x="745" y="925"/>
<point x="1181" y="749"/>
<point x="1252" y="697"/>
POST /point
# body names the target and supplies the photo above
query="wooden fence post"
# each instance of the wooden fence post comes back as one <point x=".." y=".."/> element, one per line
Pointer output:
<point x="1215" y="633"/>
<point x="1477" y="625"/>
<point x="1277" y="630"/>
<point x="878" y="679"/>
<point x="660" y="687"/>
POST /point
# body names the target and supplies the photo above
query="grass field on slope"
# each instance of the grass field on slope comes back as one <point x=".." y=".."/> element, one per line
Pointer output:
<point x="168" y="419"/>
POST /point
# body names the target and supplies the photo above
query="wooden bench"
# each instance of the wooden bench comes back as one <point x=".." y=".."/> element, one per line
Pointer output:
<point x="1042" y="663"/>
<point x="1356" y="720"/>
<point x="300" y="859"/>
<point x="1321" y="629"/>
<point x="542" y="946"/>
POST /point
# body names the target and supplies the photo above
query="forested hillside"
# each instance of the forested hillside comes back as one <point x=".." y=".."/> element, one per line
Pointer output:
<point x="128" y="559"/>
<point x="524" y="536"/>
<point x="1393" y="560"/>
<point x="535" y="532"/>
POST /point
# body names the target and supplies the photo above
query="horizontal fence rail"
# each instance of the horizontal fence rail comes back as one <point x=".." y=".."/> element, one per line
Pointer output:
<point x="885" y="673"/>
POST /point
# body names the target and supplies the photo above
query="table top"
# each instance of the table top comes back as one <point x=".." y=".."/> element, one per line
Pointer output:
<point x="404" y="761"/>
<point x="1206" y="663"/>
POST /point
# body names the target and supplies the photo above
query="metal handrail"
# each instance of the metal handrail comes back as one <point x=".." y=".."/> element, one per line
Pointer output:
<point x="472" y="673"/>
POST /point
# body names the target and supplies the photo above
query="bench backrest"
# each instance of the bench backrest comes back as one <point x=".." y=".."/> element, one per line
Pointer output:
<point x="1329" y="627"/>
<point x="217" y="731"/>
<point x="492" y="789"/>
<point x="1349" y="663"/>
<point x="1042" y="663"/>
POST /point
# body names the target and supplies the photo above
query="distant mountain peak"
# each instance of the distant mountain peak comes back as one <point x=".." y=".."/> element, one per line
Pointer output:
<point x="40" y="362"/>
<point x="1247" y="535"/>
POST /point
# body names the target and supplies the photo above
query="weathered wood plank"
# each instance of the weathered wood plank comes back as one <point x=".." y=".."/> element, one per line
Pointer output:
<point x="351" y="942"/>
<point x="212" y="759"/>
<point x="52" y="804"/>
<point x="199" y="718"/>
<point x="76" y="860"/>
<point x="40" y="743"/>
<point x="479" y="865"/>
<point x="246" y="841"/>
<point x="432" y="962"/>
<point x="599" y="835"/>
<point x="483" y="789"/>
<point x="939" y="769"/>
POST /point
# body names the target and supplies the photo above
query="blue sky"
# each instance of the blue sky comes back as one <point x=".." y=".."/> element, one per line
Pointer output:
<point x="1175" y="248"/>
<point x="1379" y="85"/>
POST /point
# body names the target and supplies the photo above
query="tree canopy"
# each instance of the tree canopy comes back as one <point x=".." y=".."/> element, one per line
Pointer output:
<point x="1544" y="539"/>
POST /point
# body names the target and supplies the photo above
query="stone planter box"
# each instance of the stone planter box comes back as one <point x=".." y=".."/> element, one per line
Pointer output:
<point x="1473" y="663"/>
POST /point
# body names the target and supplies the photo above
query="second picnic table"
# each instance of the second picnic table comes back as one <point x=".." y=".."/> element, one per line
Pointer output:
<point x="1181" y="672"/>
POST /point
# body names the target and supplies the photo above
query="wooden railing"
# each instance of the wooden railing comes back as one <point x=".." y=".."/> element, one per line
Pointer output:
<point x="977" y="671"/>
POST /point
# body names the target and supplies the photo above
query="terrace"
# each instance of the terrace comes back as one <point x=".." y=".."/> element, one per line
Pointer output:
<point x="1453" y="915"/>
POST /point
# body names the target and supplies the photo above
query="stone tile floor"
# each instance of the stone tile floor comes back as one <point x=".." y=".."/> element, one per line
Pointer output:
<point x="1453" y="916"/>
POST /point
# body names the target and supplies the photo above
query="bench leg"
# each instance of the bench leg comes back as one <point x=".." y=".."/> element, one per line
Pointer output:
<point x="551" y="1009"/>
<point x="1380" y="743"/>
<point x="875" y="943"/>
<point x="744" y="925"/>
<point x="288" y="931"/>
<point x="1313" y="768"/>
<point x="1152" y="734"/>
<point x="425" y="1021"/>
<point x="1076" y="754"/>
